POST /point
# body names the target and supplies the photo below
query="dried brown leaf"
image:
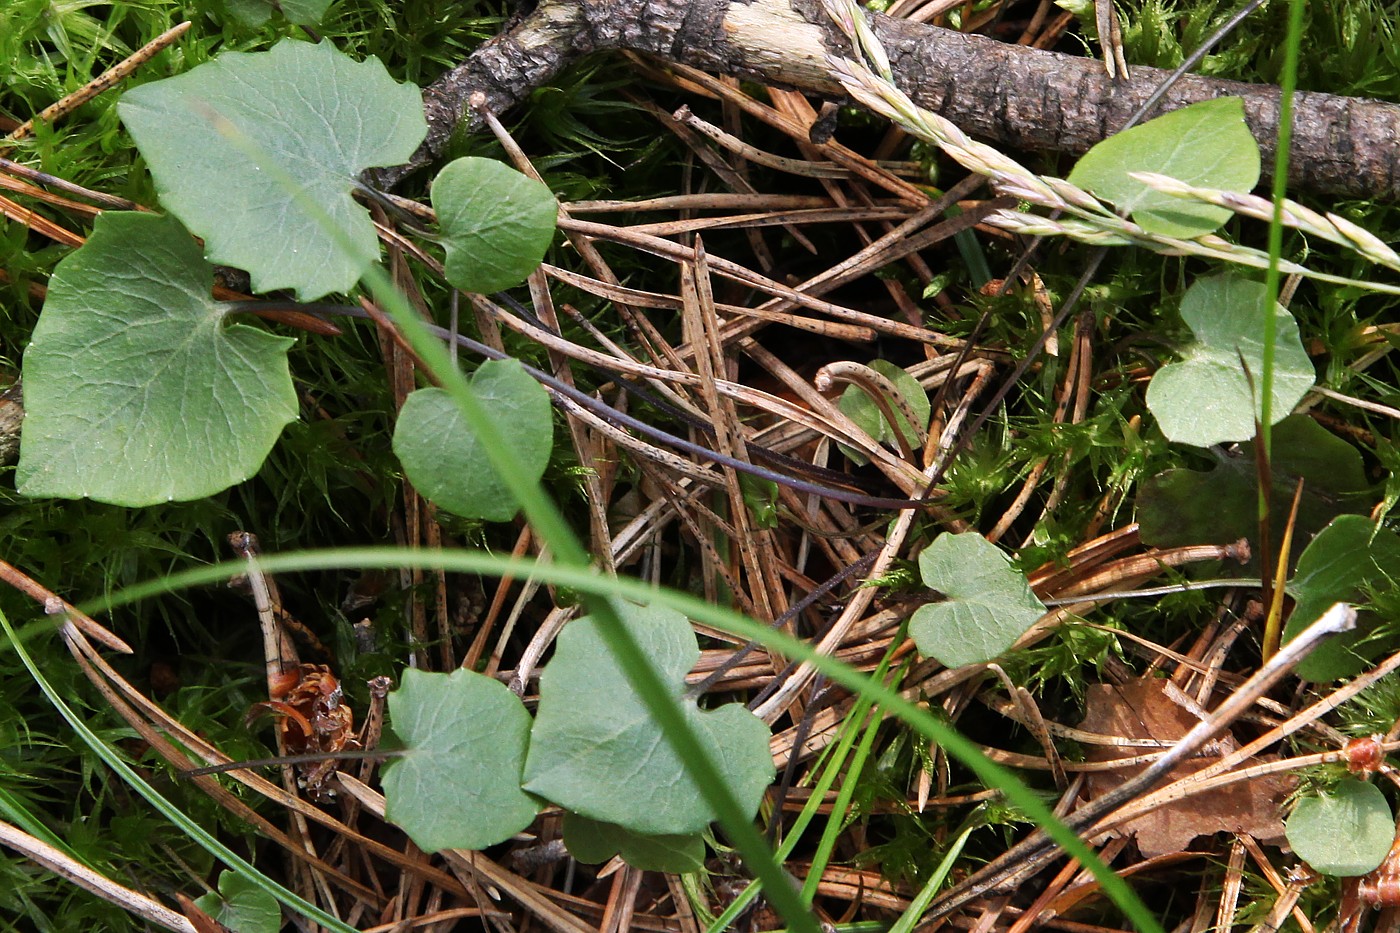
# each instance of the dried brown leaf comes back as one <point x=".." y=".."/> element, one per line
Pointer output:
<point x="1141" y="709"/>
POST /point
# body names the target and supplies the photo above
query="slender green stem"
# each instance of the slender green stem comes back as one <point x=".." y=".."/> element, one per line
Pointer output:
<point x="1287" y="84"/>
<point x="837" y="821"/>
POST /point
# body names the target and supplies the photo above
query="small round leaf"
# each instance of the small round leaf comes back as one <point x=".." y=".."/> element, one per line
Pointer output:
<point x="1347" y="832"/>
<point x="596" y="750"/>
<point x="445" y="459"/>
<point x="241" y="905"/>
<point x="1207" y="144"/>
<point x="1207" y="398"/>
<point x="857" y="405"/>
<point x="496" y="223"/>
<point x="317" y="115"/>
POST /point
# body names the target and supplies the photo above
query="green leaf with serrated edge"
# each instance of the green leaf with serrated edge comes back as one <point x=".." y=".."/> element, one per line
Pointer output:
<point x="443" y="458"/>
<point x="242" y="906"/>
<point x="1217" y="506"/>
<point x="1347" y="558"/>
<point x="1347" y="832"/>
<point x="496" y="223"/>
<point x="136" y="391"/>
<point x="457" y="785"/>
<point x="593" y="843"/>
<point x="1206" y="398"/>
<point x="988" y="604"/>
<point x="857" y="405"/>
<point x="317" y="115"/>
<point x="1206" y="144"/>
<point x="595" y="750"/>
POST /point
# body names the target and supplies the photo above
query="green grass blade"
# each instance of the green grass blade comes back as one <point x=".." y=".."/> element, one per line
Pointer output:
<point x="920" y="903"/>
<point x="1287" y="85"/>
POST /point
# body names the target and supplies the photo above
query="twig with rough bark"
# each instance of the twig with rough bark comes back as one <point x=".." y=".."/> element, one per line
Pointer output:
<point x="1010" y="95"/>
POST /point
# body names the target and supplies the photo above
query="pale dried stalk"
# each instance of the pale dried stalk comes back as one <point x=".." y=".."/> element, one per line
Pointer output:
<point x="76" y="872"/>
<point x="1089" y="220"/>
<point x="1329" y="226"/>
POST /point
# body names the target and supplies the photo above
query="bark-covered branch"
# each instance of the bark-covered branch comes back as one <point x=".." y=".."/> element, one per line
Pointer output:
<point x="1010" y="95"/>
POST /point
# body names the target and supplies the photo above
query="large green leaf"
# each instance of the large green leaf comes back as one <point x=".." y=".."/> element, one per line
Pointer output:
<point x="136" y="390"/>
<point x="1206" y="398"/>
<point x="249" y="148"/>
<point x="593" y="843"/>
<point x="596" y="750"/>
<point x="1206" y="144"/>
<point x="1347" y="558"/>
<point x="1347" y="832"/>
<point x="1182" y="507"/>
<point x="457" y="785"/>
<point x="241" y="905"/>
<point x="443" y="457"/>
<point x="988" y="605"/>
<point x="496" y="223"/>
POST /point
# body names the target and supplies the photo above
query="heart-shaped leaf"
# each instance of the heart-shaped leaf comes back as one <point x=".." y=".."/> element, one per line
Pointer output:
<point x="1206" y="398"/>
<point x="496" y="223"/>
<point x="1206" y="144"/>
<point x="444" y="458"/>
<point x="596" y="750"/>
<point x="242" y="906"/>
<point x="458" y="784"/>
<point x="1347" y="558"/>
<point x="249" y="149"/>
<point x="1347" y="832"/>
<point x="988" y="604"/>
<point x="136" y="390"/>
<point x="593" y="843"/>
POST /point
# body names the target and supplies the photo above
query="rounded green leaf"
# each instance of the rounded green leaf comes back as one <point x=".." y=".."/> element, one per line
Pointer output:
<point x="1206" y="144"/>
<point x="988" y="604"/>
<point x="596" y="750"/>
<point x="241" y="905"/>
<point x="136" y="391"/>
<point x="1206" y="398"/>
<point x="316" y="118"/>
<point x="444" y="459"/>
<point x="496" y="223"/>
<point x="1347" y="558"/>
<point x="1347" y="832"/>
<point x="593" y="843"/>
<point x="457" y="785"/>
